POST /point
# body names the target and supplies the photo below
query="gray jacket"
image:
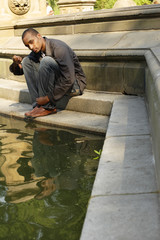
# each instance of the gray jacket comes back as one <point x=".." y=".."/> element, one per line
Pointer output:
<point x="70" y="68"/>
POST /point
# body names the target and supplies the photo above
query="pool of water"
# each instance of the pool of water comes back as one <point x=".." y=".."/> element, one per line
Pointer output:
<point x="46" y="178"/>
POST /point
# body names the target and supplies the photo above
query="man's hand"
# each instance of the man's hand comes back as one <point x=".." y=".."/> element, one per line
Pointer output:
<point x="17" y="60"/>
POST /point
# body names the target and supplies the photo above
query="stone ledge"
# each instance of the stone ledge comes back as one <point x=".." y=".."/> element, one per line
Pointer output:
<point x="126" y="167"/>
<point x="84" y="122"/>
<point x="125" y="183"/>
<point x="126" y="217"/>
<point x="94" y="102"/>
<point x="137" y="12"/>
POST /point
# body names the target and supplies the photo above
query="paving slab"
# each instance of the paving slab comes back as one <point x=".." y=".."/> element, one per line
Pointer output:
<point x="126" y="166"/>
<point x="128" y="117"/>
<point x="67" y="119"/>
<point x="123" y="217"/>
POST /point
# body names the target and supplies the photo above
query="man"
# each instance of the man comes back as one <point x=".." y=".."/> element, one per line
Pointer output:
<point x="49" y="9"/>
<point x="52" y="72"/>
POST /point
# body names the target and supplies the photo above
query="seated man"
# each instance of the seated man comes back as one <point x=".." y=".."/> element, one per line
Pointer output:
<point x="52" y="72"/>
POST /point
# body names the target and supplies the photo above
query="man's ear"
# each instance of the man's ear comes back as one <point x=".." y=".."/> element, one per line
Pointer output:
<point x="39" y="35"/>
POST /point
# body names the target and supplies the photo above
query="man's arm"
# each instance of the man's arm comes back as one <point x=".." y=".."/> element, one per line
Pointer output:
<point x="64" y="58"/>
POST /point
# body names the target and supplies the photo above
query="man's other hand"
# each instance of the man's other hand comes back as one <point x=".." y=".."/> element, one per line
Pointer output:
<point x="17" y="60"/>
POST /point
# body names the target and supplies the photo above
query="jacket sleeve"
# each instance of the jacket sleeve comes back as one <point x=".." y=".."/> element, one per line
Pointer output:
<point x="64" y="58"/>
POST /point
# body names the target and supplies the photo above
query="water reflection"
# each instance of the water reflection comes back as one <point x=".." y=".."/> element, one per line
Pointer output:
<point x="46" y="176"/>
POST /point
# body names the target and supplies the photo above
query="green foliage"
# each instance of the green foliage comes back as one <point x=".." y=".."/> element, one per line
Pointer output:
<point x="105" y="4"/>
<point x="98" y="154"/>
<point x="142" y="2"/>
<point x="53" y="4"/>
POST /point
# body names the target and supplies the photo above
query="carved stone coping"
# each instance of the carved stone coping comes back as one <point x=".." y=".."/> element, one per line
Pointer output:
<point x="138" y="12"/>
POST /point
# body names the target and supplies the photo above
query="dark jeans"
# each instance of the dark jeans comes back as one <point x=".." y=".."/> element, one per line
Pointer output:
<point x="40" y="78"/>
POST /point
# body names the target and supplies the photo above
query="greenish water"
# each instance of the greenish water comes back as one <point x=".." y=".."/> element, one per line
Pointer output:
<point x="46" y="178"/>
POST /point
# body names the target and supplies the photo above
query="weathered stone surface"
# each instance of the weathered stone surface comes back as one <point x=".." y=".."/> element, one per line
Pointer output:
<point x="129" y="117"/>
<point x="115" y="76"/>
<point x="125" y="184"/>
<point x="126" y="167"/>
<point x="85" y="122"/>
<point x="134" y="78"/>
<point x="124" y="3"/>
<point x="21" y="9"/>
<point x="122" y="217"/>
<point x="90" y="102"/>
<point x="153" y="101"/>
<point x="74" y="6"/>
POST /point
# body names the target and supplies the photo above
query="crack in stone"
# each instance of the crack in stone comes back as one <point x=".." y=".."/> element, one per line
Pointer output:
<point x="123" y="194"/>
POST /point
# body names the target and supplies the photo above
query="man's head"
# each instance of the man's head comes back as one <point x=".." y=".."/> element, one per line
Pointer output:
<point x="33" y="40"/>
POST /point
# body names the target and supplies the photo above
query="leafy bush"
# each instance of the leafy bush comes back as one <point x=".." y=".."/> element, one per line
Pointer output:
<point x="142" y="2"/>
<point x="104" y="4"/>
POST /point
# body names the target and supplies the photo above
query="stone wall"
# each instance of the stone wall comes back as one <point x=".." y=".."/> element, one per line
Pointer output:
<point x="152" y="93"/>
<point x="11" y="10"/>
<point x="75" y="6"/>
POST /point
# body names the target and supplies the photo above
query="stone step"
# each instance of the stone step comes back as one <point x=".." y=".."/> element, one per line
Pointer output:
<point x="90" y="102"/>
<point x="84" y="122"/>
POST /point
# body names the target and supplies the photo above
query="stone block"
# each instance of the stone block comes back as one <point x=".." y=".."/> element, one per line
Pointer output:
<point x="129" y="117"/>
<point x="83" y="122"/>
<point x="134" y="78"/>
<point x="114" y="26"/>
<point x="14" y="10"/>
<point x="74" y="6"/>
<point x="49" y="30"/>
<point x="104" y="76"/>
<point x="122" y="217"/>
<point x="96" y="103"/>
<point x="115" y="76"/>
<point x="126" y="167"/>
<point x="124" y="3"/>
<point x="153" y="103"/>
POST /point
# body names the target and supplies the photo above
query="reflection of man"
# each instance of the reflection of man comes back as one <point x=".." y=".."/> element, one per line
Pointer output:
<point x="47" y="187"/>
<point x="54" y="153"/>
<point x="49" y="152"/>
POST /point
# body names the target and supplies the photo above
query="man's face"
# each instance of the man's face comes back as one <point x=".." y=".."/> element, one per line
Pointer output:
<point x="34" y="43"/>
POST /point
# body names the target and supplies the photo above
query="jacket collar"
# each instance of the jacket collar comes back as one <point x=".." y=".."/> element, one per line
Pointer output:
<point x="48" y="48"/>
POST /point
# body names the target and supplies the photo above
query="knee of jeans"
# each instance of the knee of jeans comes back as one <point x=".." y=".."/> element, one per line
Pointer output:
<point x="48" y="61"/>
<point x="26" y="61"/>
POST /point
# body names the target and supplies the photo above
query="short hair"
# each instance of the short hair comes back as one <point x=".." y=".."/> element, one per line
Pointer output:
<point x="33" y="31"/>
